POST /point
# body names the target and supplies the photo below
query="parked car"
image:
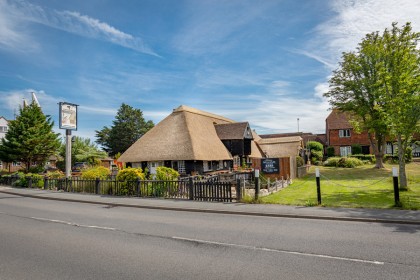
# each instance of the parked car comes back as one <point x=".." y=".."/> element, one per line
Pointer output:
<point x="79" y="166"/>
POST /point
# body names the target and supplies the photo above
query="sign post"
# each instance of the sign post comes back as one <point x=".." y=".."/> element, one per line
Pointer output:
<point x="68" y="121"/>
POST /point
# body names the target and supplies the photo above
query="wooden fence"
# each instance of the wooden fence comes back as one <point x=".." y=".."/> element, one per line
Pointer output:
<point x="210" y="190"/>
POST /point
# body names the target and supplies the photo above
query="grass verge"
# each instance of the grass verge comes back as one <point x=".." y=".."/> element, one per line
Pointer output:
<point x="360" y="187"/>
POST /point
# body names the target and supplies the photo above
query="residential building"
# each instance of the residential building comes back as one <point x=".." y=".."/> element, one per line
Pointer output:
<point x="341" y="135"/>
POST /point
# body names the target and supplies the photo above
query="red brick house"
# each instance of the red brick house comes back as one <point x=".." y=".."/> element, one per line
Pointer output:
<point x="341" y="135"/>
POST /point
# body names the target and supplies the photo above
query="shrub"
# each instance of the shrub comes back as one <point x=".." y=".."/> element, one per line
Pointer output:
<point x="317" y="151"/>
<point x="367" y="158"/>
<point x="316" y="156"/>
<point x="130" y="174"/>
<point x="100" y="172"/>
<point x="55" y="174"/>
<point x="299" y="161"/>
<point x="356" y="149"/>
<point x="343" y="162"/>
<point x="166" y="174"/>
<point x="36" y="169"/>
<point x="23" y="180"/>
<point x="330" y="151"/>
<point x="127" y="177"/>
<point x="313" y="145"/>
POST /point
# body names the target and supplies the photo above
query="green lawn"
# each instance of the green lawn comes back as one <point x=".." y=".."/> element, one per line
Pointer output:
<point x="361" y="187"/>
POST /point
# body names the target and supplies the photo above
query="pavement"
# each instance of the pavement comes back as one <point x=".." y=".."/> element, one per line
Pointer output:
<point x="263" y="210"/>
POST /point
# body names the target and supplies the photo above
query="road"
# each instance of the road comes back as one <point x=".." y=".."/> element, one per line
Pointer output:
<point x="42" y="239"/>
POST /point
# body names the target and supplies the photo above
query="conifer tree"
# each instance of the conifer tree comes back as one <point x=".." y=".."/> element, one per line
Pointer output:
<point x="30" y="138"/>
<point x="129" y="125"/>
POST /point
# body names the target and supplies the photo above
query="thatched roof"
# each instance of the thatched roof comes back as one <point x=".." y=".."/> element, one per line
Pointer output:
<point x="281" y="147"/>
<point x="186" y="134"/>
<point x="233" y="131"/>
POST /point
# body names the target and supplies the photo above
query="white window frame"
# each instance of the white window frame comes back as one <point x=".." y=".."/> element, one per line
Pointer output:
<point x="345" y="151"/>
<point x="344" y="133"/>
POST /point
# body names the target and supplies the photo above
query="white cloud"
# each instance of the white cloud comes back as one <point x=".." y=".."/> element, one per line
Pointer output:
<point x="211" y="26"/>
<point x="13" y="13"/>
<point x="352" y="20"/>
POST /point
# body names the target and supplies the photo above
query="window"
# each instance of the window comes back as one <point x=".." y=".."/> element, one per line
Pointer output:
<point x="181" y="166"/>
<point x="345" y="151"/>
<point x="16" y="163"/>
<point x="344" y="133"/>
<point x="3" y="128"/>
<point x="206" y="165"/>
<point x="1" y="165"/>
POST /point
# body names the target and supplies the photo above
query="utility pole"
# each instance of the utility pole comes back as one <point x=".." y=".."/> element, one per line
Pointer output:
<point x="298" y="124"/>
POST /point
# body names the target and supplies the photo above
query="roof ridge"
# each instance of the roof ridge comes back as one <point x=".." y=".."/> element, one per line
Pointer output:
<point x="184" y="108"/>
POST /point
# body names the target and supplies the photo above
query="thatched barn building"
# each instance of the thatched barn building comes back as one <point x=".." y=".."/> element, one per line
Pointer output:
<point x="193" y="142"/>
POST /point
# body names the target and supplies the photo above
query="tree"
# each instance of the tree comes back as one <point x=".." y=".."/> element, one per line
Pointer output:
<point x="401" y="82"/>
<point x="30" y="138"/>
<point x="83" y="150"/>
<point x="380" y="85"/>
<point x="129" y="125"/>
<point x="356" y="87"/>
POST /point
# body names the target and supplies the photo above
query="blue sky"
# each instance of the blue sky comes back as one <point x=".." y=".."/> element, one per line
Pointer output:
<point x="265" y="62"/>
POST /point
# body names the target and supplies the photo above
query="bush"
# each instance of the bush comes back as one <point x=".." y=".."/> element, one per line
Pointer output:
<point x="343" y="162"/>
<point x="100" y="172"/>
<point x="313" y="145"/>
<point x="130" y="174"/>
<point x="317" y="151"/>
<point x="316" y="156"/>
<point x="356" y="149"/>
<point x="330" y="151"/>
<point x="36" y="169"/>
<point x="299" y="161"/>
<point x="367" y="158"/>
<point x="57" y="174"/>
<point x="23" y="180"/>
<point x="166" y="174"/>
<point x="127" y="177"/>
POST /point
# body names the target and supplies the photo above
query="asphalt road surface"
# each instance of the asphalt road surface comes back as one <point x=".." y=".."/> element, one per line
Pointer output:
<point x="41" y="239"/>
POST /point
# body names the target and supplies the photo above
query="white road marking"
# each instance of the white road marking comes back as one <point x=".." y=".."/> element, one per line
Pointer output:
<point x="276" y="250"/>
<point x="71" y="224"/>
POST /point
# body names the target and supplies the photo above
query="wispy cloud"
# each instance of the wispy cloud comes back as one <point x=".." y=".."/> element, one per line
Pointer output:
<point x="14" y="12"/>
<point x="212" y="26"/>
<point x="349" y="23"/>
<point x="352" y="20"/>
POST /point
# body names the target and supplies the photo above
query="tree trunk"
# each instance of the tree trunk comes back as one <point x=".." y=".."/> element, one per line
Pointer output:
<point x="402" y="146"/>
<point x="377" y="144"/>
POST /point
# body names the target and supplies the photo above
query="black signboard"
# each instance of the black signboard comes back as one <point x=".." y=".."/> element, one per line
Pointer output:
<point x="270" y="165"/>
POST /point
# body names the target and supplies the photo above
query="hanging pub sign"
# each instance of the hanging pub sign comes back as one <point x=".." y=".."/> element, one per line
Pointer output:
<point x="68" y="116"/>
<point x="270" y="165"/>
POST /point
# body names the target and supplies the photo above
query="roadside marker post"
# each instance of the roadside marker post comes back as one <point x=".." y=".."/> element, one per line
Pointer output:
<point x="396" y="188"/>
<point x="318" y="185"/>
<point x="257" y="183"/>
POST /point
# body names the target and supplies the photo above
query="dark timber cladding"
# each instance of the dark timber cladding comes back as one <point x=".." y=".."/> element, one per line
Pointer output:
<point x="236" y="137"/>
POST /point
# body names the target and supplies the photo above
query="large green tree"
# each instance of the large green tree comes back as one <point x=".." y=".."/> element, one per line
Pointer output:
<point x="30" y="138"/>
<point x="379" y="84"/>
<point x="356" y="87"/>
<point x="401" y="82"/>
<point x="129" y="125"/>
